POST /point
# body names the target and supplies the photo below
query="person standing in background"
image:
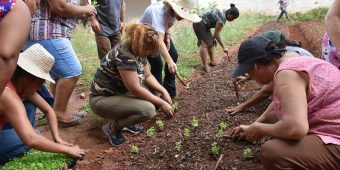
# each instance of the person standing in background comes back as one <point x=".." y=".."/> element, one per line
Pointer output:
<point x="283" y="8"/>
<point x="108" y="25"/>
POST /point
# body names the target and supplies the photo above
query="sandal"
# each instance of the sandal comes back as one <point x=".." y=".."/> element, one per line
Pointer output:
<point x="206" y="69"/>
<point x="212" y="64"/>
<point x="75" y="121"/>
<point x="82" y="114"/>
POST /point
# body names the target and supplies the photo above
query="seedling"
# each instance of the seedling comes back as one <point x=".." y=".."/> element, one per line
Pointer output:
<point x="194" y="122"/>
<point x="178" y="145"/>
<point x="150" y="132"/>
<point x="186" y="132"/>
<point x="247" y="153"/>
<point x="160" y="123"/>
<point x="220" y="133"/>
<point x="214" y="149"/>
<point x="134" y="150"/>
<point x="175" y="105"/>
<point x="224" y="125"/>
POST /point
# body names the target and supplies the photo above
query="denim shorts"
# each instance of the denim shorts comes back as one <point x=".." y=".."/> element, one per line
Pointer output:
<point x="66" y="63"/>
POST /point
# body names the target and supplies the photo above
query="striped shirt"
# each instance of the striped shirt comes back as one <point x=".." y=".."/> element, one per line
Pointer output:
<point x="48" y="25"/>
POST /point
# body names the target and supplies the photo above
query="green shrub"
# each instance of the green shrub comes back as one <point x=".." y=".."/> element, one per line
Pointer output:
<point x="178" y="145"/>
<point x="160" y="123"/>
<point x="186" y="132"/>
<point x="134" y="150"/>
<point x="214" y="149"/>
<point x="150" y="132"/>
<point x="247" y="153"/>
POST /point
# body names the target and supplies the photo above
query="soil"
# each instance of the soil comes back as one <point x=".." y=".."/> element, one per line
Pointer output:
<point x="206" y="99"/>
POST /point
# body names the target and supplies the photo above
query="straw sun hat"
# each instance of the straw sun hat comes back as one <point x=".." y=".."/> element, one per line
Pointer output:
<point x="37" y="61"/>
<point x="185" y="9"/>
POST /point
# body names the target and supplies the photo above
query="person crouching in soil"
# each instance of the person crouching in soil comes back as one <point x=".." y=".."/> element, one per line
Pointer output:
<point x="121" y="90"/>
<point x="33" y="69"/>
<point x="205" y="40"/>
<point x="304" y="117"/>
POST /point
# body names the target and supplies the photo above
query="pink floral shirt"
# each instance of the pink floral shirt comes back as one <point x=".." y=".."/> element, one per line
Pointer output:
<point x="323" y="96"/>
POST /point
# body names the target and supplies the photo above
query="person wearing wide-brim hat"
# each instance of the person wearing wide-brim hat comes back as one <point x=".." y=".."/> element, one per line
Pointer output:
<point x="162" y="16"/>
<point x="304" y="117"/>
<point x="33" y="69"/>
<point x="206" y="41"/>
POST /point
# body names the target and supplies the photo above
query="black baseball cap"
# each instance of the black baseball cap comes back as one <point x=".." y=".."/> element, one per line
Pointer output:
<point x="249" y="51"/>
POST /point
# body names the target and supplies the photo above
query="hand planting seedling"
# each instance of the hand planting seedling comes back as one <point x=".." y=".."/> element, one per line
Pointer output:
<point x="214" y="149"/>
<point x="160" y="123"/>
<point x="178" y="145"/>
<point x="186" y="132"/>
<point x="194" y="122"/>
<point x="247" y="153"/>
<point x="150" y="132"/>
<point x="175" y="105"/>
<point x="224" y="125"/>
<point x="220" y="133"/>
<point x="134" y="150"/>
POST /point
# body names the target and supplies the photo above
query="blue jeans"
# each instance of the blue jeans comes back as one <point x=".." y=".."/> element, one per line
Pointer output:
<point x="66" y="64"/>
<point x="156" y="64"/>
<point x="10" y="143"/>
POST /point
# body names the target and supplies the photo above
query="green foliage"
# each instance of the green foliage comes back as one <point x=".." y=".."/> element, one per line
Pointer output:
<point x="220" y="133"/>
<point x="224" y="125"/>
<point x="247" y="153"/>
<point x="201" y="10"/>
<point x="86" y="107"/>
<point x="94" y="3"/>
<point x="314" y="14"/>
<point x="186" y="132"/>
<point x="178" y="145"/>
<point x="194" y="122"/>
<point x="41" y="122"/>
<point x="150" y="132"/>
<point x="160" y="123"/>
<point x="134" y="150"/>
<point x="214" y="149"/>
<point x="175" y="105"/>
<point x="37" y="160"/>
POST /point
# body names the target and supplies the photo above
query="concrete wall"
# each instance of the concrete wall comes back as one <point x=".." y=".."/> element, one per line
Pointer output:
<point x="135" y="8"/>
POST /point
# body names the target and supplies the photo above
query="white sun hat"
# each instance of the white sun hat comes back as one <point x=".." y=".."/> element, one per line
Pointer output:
<point x="185" y="9"/>
<point x="37" y="61"/>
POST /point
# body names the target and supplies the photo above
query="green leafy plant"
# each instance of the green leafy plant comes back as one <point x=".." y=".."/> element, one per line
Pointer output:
<point x="178" y="145"/>
<point x="247" y="153"/>
<point x="160" y="123"/>
<point x="214" y="149"/>
<point x="220" y="133"/>
<point x="194" y="122"/>
<point x="186" y="132"/>
<point x="175" y="105"/>
<point x="150" y="132"/>
<point x="134" y="149"/>
<point x="224" y="125"/>
<point x="37" y="160"/>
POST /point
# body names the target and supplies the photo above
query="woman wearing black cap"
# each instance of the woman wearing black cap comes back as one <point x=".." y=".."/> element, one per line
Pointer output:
<point x="206" y="41"/>
<point x="304" y="117"/>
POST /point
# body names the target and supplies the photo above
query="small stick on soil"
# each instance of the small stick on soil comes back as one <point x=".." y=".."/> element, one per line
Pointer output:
<point x="236" y="90"/>
<point x="219" y="161"/>
<point x="181" y="79"/>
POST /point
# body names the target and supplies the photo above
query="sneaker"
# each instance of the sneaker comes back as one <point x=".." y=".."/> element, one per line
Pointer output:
<point x="135" y="129"/>
<point x="115" y="137"/>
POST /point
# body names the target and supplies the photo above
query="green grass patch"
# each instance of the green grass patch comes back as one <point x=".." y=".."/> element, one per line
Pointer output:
<point x="314" y="14"/>
<point x="37" y="160"/>
<point x="186" y="42"/>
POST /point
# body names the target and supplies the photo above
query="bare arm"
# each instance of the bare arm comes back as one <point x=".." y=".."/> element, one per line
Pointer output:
<point x="39" y="102"/>
<point x="165" y="54"/>
<point x="122" y="15"/>
<point x="12" y="107"/>
<point x="261" y="95"/>
<point x="66" y="9"/>
<point x="218" y="37"/>
<point x="332" y="21"/>
<point x="131" y="82"/>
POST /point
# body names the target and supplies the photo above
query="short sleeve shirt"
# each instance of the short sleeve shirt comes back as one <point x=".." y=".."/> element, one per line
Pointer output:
<point x="211" y="18"/>
<point x="158" y="15"/>
<point x="107" y="80"/>
<point x="108" y="16"/>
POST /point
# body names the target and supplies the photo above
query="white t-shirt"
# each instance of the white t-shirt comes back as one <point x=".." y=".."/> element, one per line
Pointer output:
<point x="158" y="15"/>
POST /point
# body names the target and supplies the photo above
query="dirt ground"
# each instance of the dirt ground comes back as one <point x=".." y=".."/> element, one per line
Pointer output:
<point x="206" y="99"/>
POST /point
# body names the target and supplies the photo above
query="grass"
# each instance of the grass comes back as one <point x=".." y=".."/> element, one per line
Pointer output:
<point x="37" y="160"/>
<point x="315" y="14"/>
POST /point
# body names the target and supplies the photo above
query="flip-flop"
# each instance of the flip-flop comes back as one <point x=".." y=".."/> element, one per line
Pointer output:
<point x="75" y="121"/>
<point x="82" y="114"/>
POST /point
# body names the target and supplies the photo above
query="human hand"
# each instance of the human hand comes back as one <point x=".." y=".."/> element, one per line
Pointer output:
<point x="166" y="97"/>
<point x="89" y="10"/>
<point x="235" y="109"/>
<point x="225" y="50"/>
<point x="167" y="41"/>
<point x="60" y="141"/>
<point x="75" y="152"/>
<point x="172" y="67"/>
<point x="167" y="109"/>
<point x="95" y="25"/>
<point x="241" y="79"/>
<point x="248" y="132"/>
